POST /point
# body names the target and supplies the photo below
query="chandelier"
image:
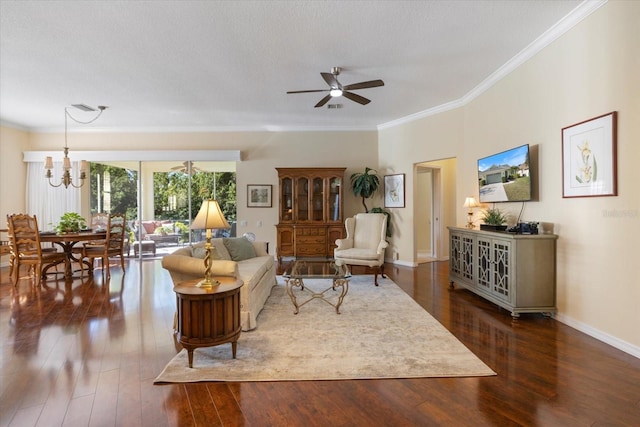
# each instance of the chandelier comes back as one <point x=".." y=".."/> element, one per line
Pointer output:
<point x="66" y="161"/>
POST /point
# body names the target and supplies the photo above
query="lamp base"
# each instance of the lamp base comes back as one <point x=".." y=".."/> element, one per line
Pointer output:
<point x="470" y="221"/>
<point x="208" y="284"/>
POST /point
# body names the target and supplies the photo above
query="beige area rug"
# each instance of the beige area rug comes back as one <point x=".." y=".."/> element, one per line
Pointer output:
<point x="380" y="333"/>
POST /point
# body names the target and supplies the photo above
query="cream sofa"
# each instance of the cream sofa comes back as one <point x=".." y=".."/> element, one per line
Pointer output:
<point x="258" y="273"/>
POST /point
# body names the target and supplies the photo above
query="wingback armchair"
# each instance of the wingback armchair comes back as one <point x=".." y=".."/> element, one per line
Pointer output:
<point x="365" y="242"/>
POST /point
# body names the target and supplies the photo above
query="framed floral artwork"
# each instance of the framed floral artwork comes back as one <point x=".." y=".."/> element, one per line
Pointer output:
<point x="259" y="196"/>
<point x="589" y="158"/>
<point x="394" y="191"/>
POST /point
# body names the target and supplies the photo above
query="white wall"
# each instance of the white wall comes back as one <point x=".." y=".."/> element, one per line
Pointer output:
<point x="13" y="173"/>
<point x="591" y="70"/>
<point x="401" y="148"/>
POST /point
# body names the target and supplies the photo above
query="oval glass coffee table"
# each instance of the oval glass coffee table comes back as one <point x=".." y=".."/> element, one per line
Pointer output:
<point x="301" y="269"/>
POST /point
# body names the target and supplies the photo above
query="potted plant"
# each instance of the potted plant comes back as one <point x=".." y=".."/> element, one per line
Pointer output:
<point x="380" y="210"/>
<point x="493" y="220"/>
<point x="71" y="222"/>
<point x="365" y="185"/>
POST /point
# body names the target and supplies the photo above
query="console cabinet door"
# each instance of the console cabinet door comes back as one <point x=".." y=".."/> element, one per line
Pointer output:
<point x="501" y="274"/>
<point x="494" y="273"/>
<point x="462" y="256"/>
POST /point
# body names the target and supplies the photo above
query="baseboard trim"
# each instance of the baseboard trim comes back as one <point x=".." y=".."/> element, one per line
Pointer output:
<point x="621" y="345"/>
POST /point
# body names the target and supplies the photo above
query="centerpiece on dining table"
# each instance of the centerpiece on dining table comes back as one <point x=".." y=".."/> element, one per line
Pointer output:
<point x="71" y="222"/>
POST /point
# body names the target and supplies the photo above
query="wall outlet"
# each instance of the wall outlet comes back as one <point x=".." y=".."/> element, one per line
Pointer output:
<point x="243" y="223"/>
<point x="396" y="256"/>
<point x="259" y="223"/>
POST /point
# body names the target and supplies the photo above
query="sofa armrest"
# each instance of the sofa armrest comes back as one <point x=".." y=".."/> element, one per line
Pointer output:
<point x="195" y="266"/>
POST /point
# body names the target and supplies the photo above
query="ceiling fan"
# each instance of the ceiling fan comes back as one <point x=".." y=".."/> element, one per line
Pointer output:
<point x="184" y="168"/>
<point x="337" y="89"/>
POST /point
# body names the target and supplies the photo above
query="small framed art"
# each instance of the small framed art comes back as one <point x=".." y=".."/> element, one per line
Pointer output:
<point x="589" y="158"/>
<point x="259" y="196"/>
<point x="394" y="191"/>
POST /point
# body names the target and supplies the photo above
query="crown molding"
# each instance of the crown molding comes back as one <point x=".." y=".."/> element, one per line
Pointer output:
<point x="422" y="114"/>
<point x="572" y="19"/>
<point x="569" y="21"/>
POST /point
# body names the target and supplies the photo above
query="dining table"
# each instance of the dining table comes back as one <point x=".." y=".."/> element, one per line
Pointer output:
<point x="67" y="242"/>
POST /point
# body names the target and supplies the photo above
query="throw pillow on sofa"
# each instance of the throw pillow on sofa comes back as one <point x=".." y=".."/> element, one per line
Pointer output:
<point x="200" y="252"/>
<point x="239" y="248"/>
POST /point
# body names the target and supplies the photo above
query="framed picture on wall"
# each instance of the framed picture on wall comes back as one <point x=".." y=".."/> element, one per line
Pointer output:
<point x="589" y="158"/>
<point x="394" y="191"/>
<point x="259" y="196"/>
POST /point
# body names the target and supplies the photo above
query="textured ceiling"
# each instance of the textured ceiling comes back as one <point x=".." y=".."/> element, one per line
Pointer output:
<point x="222" y="65"/>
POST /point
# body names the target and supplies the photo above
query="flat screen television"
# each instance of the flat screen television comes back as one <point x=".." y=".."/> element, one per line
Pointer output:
<point x="504" y="177"/>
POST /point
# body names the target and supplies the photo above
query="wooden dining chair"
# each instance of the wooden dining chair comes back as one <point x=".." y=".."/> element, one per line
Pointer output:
<point x="99" y="221"/>
<point x="112" y="246"/>
<point x="26" y="248"/>
<point x="5" y="248"/>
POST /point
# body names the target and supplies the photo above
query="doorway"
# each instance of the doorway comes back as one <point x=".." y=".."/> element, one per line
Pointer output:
<point x="427" y="216"/>
<point x="434" y="209"/>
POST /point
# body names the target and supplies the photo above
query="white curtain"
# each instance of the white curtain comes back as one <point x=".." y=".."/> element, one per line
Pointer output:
<point x="49" y="203"/>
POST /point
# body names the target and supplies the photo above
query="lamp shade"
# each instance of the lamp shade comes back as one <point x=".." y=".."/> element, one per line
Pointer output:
<point x="470" y="202"/>
<point x="209" y="217"/>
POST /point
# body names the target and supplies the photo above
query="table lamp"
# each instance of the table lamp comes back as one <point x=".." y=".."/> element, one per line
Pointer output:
<point x="209" y="217"/>
<point x="470" y="202"/>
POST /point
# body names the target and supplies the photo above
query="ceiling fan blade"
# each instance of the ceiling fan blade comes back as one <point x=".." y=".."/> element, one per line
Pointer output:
<point x="357" y="98"/>
<point x="330" y="79"/>
<point x="364" y="85"/>
<point x="307" y="91"/>
<point x="323" y="101"/>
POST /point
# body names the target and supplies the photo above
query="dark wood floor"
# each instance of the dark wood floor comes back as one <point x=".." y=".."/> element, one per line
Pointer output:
<point x="86" y="353"/>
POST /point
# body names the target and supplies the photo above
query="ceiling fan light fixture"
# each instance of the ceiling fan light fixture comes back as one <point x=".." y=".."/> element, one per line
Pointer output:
<point x="335" y="92"/>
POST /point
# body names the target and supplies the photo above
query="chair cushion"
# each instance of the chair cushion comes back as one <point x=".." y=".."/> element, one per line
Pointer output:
<point x="357" y="253"/>
<point x="239" y="248"/>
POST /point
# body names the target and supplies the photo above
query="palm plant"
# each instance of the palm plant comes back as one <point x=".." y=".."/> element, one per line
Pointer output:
<point x="365" y="185"/>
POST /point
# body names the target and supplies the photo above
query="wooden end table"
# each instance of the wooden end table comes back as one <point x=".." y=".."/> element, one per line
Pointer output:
<point x="208" y="317"/>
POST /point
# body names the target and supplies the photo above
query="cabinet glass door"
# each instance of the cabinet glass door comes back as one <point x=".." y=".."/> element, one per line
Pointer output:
<point x="302" y="199"/>
<point x="334" y="199"/>
<point x="287" y="199"/>
<point x="318" y="199"/>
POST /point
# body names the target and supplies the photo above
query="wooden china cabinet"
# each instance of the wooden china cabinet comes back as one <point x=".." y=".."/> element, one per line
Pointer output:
<point x="310" y="211"/>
